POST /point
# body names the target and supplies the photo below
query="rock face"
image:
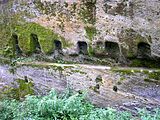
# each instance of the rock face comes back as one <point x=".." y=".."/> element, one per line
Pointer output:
<point x="114" y="28"/>
<point x="124" y="89"/>
<point x="85" y="30"/>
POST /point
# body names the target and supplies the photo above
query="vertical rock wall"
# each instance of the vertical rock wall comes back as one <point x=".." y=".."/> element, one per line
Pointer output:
<point x="127" y="23"/>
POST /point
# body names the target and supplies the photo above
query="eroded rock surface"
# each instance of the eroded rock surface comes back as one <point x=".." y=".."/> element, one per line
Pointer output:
<point x="99" y="81"/>
<point x="129" y="24"/>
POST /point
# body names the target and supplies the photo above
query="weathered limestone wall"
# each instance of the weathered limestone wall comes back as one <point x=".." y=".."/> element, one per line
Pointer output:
<point x="132" y="24"/>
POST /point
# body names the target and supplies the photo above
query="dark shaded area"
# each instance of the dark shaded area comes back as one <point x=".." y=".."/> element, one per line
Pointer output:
<point x="99" y="46"/>
<point x="26" y="79"/>
<point x="17" y="49"/>
<point x="37" y="46"/>
<point x="58" y="45"/>
<point x="115" y="88"/>
<point x="144" y="51"/>
<point x="99" y="50"/>
<point x="4" y="1"/>
<point x="112" y="49"/>
<point x="82" y="47"/>
<point x="147" y="63"/>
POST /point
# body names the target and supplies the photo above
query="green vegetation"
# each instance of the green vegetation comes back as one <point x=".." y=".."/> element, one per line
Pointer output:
<point x="23" y="88"/>
<point x="13" y="24"/>
<point x="45" y="38"/>
<point x="91" y="32"/>
<point x="8" y="21"/>
<point x="78" y="71"/>
<point x="151" y="75"/>
<point x="65" y="107"/>
<point x="90" y="50"/>
<point x="8" y="52"/>
<point x="4" y="38"/>
<point x="154" y="75"/>
<point x="145" y="63"/>
<point x="125" y="71"/>
<point x="5" y="24"/>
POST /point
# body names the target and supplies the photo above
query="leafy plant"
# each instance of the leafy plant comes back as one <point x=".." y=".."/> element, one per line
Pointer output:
<point x="64" y="107"/>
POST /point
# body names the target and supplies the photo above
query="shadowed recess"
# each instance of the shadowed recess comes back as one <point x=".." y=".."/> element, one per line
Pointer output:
<point x="37" y="46"/>
<point x="99" y="49"/>
<point x="17" y="49"/>
<point x="100" y="45"/>
<point x="58" y="45"/>
<point x="112" y="49"/>
<point x="82" y="47"/>
<point x="144" y="51"/>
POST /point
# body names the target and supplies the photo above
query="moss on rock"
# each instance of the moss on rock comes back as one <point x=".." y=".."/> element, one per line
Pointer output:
<point x="23" y="88"/>
<point x="90" y="32"/>
<point x="4" y="37"/>
<point x="45" y="38"/>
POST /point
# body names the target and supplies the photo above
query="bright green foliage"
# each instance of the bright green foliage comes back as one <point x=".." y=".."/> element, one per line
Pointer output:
<point x="64" y="107"/>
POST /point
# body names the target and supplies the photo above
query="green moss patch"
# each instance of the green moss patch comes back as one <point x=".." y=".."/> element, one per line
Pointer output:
<point x="90" y="32"/>
<point x="151" y="75"/>
<point x="154" y="75"/>
<point x="4" y="37"/>
<point x="23" y="88"/>
<point x="124" y="71"/>
<point x="45" y="38"/>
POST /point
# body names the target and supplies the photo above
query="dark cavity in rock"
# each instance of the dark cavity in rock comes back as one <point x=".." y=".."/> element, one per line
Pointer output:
<point x="112" y="49"/>
<point x="144" y="51"/>
<point x="17" y="49"/>
<point x="82" y="48"/>
<point x="37" y="46"/>
<point x="58" y="45"/>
